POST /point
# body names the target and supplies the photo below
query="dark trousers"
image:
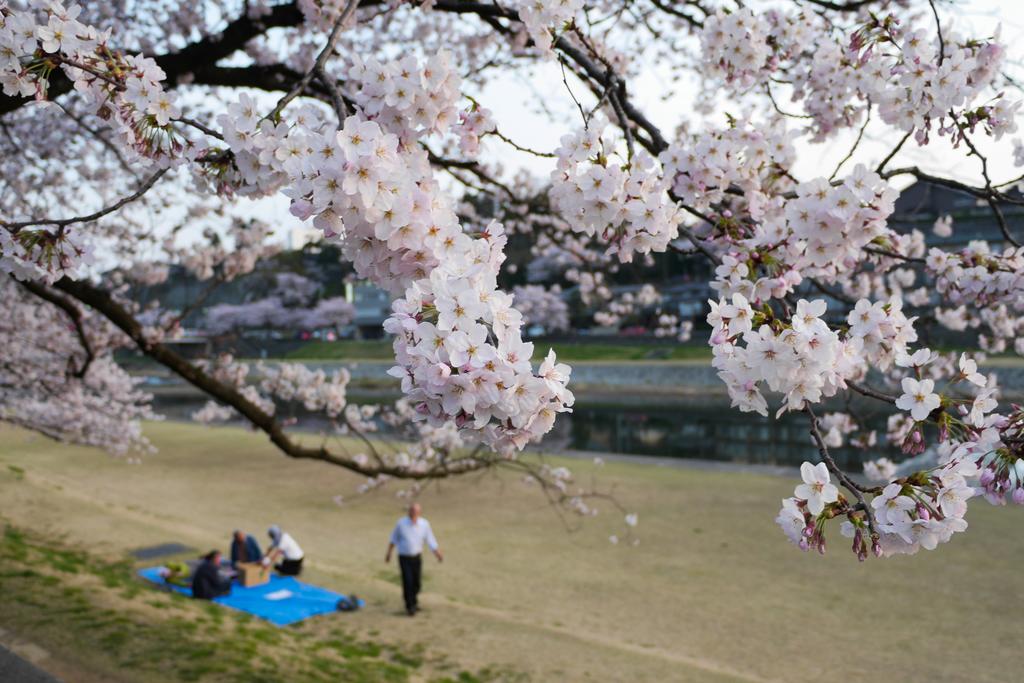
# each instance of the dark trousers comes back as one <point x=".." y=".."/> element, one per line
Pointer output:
<point x="290" y="567"/>
<point x="412" y="567"/>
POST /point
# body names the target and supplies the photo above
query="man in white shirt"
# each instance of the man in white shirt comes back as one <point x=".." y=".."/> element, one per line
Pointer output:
<point x="409" y="536"/>
<point x="285" y="547"/>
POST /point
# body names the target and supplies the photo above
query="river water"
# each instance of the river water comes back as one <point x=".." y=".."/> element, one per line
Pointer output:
<point x="697" y="426"/>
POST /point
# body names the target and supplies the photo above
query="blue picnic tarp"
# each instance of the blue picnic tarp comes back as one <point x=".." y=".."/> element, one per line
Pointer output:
<point x="283" y="600"/>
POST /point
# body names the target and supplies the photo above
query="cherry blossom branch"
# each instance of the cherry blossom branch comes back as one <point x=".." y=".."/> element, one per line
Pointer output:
<point x="872" y="393"/>
<point x="851" y="6"/>
<point x="893" y="255"/>
<point x="938" y="31"/>
<point x="98" y="135"/>
<point x="856" y="144"/>
<point x="835" y="294"/>
<point x="498" y="134"/>
<point x="73" y="312"/>
<point x="145" y="187"/>
<point x="850" y="485"/>
<point x="668" y="9"/>
<point x="318" y="64"/>
<point x="103" y="303"/>
<point x="194" y="57"/>
<point x="341" y="109"/>
<point x="470" y="166"/>
<point x="199" y="126"/>
<point x="888" y="157"/>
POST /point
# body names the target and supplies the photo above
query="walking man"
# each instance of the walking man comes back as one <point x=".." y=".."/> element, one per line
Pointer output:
<point x="409" y="535"/>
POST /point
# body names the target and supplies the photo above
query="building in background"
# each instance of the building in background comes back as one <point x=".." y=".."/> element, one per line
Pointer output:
<point x="923" y="203"/>
<point x="373" y="306"/>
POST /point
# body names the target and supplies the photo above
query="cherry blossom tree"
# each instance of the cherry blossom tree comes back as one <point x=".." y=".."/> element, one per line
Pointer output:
<point x="290" y="305"/>
<point x="370" y="118"/>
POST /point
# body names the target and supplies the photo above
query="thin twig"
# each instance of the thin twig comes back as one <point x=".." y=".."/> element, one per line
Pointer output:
<point x="318" y="65"/>
<point x="856" y="144"/>
<point x="63" y="222"/>
<point x="845" y="480"/>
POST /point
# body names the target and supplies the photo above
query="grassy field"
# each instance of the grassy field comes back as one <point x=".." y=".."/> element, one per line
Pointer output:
<point x="712" y="592"/>
<point x="592" y="351"/>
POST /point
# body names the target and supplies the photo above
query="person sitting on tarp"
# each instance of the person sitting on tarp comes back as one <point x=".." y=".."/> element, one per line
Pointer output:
<point x="177" y="573"/>
<point x="244" y="548"/>
<point x="283" y="546"/>
<point x="207" y="582"/>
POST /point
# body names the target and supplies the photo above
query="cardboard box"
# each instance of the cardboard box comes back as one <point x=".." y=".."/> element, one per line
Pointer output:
<point x="252" y="574"/>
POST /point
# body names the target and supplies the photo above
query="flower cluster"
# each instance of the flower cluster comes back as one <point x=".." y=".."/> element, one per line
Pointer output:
<point x="473" y="124"/>
<point x="919" y="511"/>
<point x="213" y="412"/>
<point x="407" y="98"/>
<point x="314" y="389"/>
<point x="742" y="47"/>
<point x="669" y="325"/>
<point x="626" y="206"/>
<point x="50" y="384"/>
<point x="226" y="370"/>
<point x="370" y="187"/>
<point x="544" y="17"/>
<point x="321" y="13"/>
<point x="914" y="77"/>
<point x="627" y="305"/>
<point x="749" y="156"/>
<point x="882" y="331"/>
<point x="244" y="245"/>
<point x="931" y="81"/>
<point x="834" y="223"/>
<point x="123" y="90"/>
<point x="461" y="358"/>
<point x="799" y="514"/>
<point x="43" y="254"/>
<point x="126" y="91"/>
<point x="990" y="281"/>
<point x="804" y="360"/>
<point x="882" y="469"/>
<point x="836" y="427"/>
<point x="541" y="306"/>
<point x="1002" y="469"/>
<point x="590" y="285"/>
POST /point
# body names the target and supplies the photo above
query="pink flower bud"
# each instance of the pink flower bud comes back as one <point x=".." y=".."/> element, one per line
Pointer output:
<point x="876" y="548"/>
<point x="1018" y="495"/>
<point x="987" y="477"/>
<point x="922" y="513"/>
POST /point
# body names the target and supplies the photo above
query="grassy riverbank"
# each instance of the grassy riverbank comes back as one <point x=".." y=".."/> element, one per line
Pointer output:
<point x="712" y="592"/>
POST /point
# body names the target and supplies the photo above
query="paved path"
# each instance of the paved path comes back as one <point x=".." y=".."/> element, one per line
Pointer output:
<point x="14" y="669"/>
